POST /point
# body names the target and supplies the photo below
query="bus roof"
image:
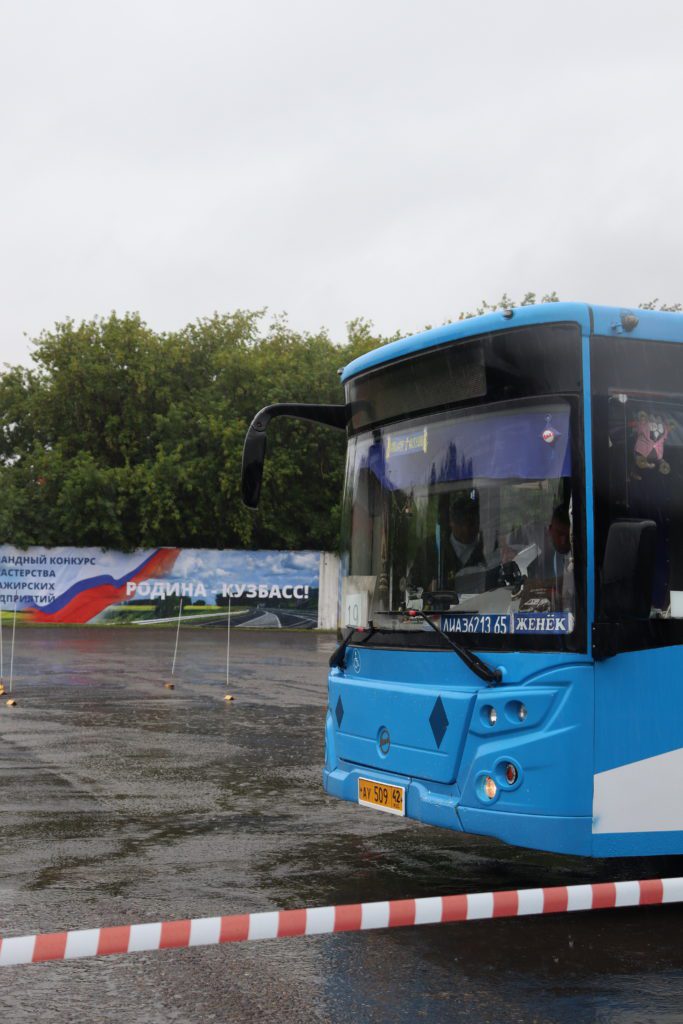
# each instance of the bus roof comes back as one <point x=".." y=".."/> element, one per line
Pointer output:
<point x="652" y="324"/>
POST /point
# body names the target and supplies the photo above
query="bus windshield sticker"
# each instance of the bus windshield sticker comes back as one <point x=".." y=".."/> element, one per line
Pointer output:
<point x="542" y="622"/>
<point x="550" y="435"/>
<point x="519" y="622"/>
<point x="476" y="623"/>
<point x="401" y="444"/>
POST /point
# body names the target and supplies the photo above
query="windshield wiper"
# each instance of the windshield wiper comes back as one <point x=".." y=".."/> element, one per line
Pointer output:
<point x="491" y="676"/>
<point x="339" y="653"/>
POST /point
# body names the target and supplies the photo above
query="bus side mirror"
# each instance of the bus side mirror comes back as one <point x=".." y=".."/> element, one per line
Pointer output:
<point x="628" y="570"/>
<point x="254" y="452"/>
<point x="253" y="457"/>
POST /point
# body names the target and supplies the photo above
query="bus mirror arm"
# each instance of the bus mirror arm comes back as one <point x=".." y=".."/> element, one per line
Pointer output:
<point x="254" y="452"/>
<point x="491" y="676"/>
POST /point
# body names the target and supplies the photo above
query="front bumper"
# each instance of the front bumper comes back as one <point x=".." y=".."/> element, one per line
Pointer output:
<point x="435" y="805"/>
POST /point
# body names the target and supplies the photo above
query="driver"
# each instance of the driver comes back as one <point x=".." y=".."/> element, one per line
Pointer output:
<point x="465" y="546"/>
<point x="462" y="549"/>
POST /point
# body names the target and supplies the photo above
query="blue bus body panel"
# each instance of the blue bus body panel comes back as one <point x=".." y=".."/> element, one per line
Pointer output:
<point x="406" y="713"/>
<point x="637" y="844"/>
<point x="639" y="706"/>
<point x="443" y="746"/>
<point x="652" y="325"/>
<point x="637" y="804"/>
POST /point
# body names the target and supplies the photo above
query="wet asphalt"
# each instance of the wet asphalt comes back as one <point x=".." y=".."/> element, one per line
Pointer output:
<point x="124" y="802"/>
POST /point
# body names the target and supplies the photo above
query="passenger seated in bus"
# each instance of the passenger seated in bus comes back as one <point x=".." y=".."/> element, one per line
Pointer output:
<point x="552" y="568"/>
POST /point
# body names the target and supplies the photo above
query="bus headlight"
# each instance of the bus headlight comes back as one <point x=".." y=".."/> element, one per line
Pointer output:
<point x="516" y="711"/>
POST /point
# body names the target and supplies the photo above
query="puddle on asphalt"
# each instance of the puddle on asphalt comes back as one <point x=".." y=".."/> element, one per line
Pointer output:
<point x="124" y="802"/>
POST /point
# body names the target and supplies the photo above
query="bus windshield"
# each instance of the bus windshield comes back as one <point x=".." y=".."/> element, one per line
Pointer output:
<point x="467" y="515"/>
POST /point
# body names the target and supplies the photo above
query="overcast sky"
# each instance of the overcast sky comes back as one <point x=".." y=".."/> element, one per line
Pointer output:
<point x="392" y="160"/>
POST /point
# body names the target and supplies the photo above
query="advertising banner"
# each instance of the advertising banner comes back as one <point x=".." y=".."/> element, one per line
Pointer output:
<point x="71" y="585"/>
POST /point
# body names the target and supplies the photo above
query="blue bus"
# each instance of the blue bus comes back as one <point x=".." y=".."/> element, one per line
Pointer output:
<point x="511" y="597"/>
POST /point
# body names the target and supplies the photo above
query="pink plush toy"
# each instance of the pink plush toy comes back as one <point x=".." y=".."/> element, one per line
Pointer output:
<point x="652" y="431"/>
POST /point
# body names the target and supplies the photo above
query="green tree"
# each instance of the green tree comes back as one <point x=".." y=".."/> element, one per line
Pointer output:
<point x="122" y="437"/>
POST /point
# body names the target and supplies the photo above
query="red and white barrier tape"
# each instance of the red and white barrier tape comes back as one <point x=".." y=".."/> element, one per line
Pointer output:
<point x="280" y="924"/>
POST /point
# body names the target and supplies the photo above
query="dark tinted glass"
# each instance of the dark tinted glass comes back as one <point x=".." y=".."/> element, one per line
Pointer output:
<point x="638" y="473"/>
<point x="515" y="363"/>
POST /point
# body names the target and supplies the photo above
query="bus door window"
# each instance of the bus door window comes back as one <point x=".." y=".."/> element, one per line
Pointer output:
<point x="646" y="482"/>
<point x="637" y="427"/>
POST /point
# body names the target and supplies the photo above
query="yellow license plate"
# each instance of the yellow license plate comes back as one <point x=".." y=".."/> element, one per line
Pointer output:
<point x="391" y="799"/>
